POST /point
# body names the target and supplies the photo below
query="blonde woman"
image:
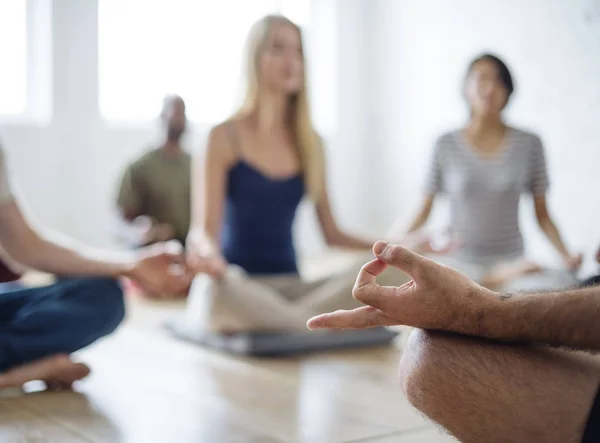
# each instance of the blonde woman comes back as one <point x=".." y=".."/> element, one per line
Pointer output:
<point x="258" y="166"/>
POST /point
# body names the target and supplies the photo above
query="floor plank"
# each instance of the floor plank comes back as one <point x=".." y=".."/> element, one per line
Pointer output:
<point x="316" y="399"/>
<point x="20" y="425"/>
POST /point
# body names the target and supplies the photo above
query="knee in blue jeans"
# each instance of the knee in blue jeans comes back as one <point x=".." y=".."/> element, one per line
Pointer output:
<point x="110" y="304"/>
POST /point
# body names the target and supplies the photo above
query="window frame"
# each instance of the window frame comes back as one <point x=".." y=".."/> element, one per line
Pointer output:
<point x="38" y="66"/>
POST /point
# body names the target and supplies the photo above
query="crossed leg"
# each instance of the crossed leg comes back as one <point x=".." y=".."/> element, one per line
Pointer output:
<point x="40" y="327"/>
<point x="484" y="391"/>
<point x="241" y="302"/>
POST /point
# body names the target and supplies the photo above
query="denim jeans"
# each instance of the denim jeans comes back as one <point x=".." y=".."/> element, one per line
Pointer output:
<point x="60" y="318"/>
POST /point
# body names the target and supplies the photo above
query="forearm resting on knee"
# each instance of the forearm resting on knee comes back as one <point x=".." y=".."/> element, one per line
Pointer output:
<point x="565" y="319"/>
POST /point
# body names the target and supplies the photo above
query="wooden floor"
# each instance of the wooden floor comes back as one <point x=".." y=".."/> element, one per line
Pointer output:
<point x="146" y="387"/>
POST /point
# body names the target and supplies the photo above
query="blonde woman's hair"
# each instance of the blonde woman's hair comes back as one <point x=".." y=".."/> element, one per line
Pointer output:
<point x="307" y="139"/>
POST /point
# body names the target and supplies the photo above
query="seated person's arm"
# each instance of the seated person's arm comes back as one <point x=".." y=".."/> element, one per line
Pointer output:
<point x="25" y="246"/>
<point x="130" y="196"/>
<point x="434" y="185"/>
<point x="151" y="267"/>
<point x="538" y="183"/>
<point x="423" y="214"/>
<point x="209" y="181"/>
<point x="14" y="267"/>
<point x="139" y="229"/>
<point x="396" y="231"/>
<point x="549" y="228"/>
<point x="333" y="234"/>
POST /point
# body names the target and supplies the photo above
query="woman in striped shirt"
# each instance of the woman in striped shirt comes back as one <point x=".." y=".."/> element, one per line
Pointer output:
<point x="483" y="169"/>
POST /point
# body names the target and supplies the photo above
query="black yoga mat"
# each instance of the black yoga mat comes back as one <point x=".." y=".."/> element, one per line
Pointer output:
<point x="281" y="344"/>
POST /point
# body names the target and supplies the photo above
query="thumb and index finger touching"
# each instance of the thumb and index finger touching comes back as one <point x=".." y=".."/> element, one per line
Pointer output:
<point x="397" y="256"/>
<point x="366" y="290"/>
<point x="378" y="299"/>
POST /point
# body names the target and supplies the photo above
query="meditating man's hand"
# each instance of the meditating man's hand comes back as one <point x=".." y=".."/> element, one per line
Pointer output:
<point x="437" y="297"/>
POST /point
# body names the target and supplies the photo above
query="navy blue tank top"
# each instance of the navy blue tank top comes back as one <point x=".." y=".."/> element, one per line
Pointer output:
<point x="258" y="220"/>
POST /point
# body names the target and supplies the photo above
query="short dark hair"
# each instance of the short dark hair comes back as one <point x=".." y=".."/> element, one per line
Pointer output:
<point x="503" y="71"/>
<point x="168" y="102"/>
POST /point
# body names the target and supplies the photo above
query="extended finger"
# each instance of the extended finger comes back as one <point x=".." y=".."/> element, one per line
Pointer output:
<point x="359" y="318"/>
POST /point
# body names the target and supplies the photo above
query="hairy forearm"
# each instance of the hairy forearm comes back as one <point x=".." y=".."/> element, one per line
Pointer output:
<point x="567" y="319"/>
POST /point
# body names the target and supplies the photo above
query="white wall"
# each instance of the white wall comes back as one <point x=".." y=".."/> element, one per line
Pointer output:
<point x="553" y="48"/>
<point x="66" y="169"/>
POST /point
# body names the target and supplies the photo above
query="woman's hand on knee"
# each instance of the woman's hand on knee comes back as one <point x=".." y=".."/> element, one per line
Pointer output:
<point x="211" y="264"/>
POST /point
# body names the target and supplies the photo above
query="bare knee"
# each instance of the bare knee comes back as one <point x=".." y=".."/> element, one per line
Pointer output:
<point x="419" y="370"/>
<point x="439" y="369"/>
<point x="476" y="389"/>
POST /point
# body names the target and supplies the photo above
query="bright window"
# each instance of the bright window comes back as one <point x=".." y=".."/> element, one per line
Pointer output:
<point x="190" y="47"/>
<point x="13" y="54"/>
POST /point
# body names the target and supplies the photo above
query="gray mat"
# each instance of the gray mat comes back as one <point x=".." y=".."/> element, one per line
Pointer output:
<point x="280" y="344"/>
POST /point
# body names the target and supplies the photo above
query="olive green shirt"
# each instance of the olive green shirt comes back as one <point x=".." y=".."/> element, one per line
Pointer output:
<point x="157" y="185"/>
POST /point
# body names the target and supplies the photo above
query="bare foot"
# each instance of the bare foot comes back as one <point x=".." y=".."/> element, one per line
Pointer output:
<point x="57" y="371"/>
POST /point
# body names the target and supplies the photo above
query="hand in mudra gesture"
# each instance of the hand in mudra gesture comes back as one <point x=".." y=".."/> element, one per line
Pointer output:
<point x="437" y="297"/>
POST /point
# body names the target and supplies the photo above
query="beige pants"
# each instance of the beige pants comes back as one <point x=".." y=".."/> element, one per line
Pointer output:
<point x="286" y="302"/>
<point x="282" y="302"/>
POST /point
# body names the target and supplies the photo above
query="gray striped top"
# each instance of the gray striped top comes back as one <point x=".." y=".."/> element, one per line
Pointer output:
<point x="484" y="192"/>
